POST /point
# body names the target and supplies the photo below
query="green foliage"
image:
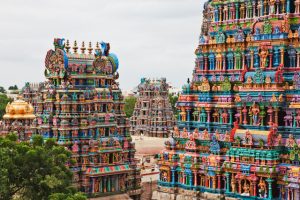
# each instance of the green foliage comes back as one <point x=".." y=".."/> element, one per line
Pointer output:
<point x="62" y="196"/>
<point x="2" y="90"/>
<point x="35" y="171"/>
<point x="3" y="102"/>
<point x="129" y="105"/>
<point x="173" y="100"/>
<point x="15" y="87"/>
<point x="261" y="143"/>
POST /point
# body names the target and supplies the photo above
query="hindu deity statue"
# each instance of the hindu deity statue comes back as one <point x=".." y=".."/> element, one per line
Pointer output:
<point x="206" y="135"/>
<point x="254" y="110"/>
<point x="290" y="142"/>
<point x="246" y="189"/>
<point x="263" y="57"/>
<point x="248" y="138"/>
<point x="183" y="115"/>
<point x="227" y="137"/>
<point x="262" y="189"/>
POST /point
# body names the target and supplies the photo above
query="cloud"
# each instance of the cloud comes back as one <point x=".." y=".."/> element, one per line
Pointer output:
<point x="152" y="38"/>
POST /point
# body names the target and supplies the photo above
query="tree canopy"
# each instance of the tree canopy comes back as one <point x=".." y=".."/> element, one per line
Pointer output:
<point x="15" y="87"/>
<point x="3" y="102"/>
<point x="173" y="99"/>
<point x="2" y="90"/>
<point x="129" y="105"/>
<point x="35" y="170"/>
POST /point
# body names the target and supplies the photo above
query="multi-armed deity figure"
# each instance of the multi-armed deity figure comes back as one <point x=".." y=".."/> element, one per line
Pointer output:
<point x="244" y="96"/>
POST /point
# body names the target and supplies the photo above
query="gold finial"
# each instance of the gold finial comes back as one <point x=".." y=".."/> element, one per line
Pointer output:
<point x="90" y="49"/>
<point x="97" y="47"/>
<point x="75" y="47"/>
<point x="82" y="48"/>
<point x="68" y="46"/>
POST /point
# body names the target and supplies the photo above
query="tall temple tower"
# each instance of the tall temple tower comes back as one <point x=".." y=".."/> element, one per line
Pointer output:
<point x="82" y="106"/>
<point x="238" y="131"/>
<point x="18" y="119"/>
<point x="152" y="115"/>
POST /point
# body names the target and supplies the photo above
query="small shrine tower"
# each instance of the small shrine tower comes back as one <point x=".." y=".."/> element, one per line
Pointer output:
<point x="18" y="118"/>
<point x="153" y="115"/>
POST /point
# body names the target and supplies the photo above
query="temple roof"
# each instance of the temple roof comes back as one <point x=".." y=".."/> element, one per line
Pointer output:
<point x="19" y="109"/>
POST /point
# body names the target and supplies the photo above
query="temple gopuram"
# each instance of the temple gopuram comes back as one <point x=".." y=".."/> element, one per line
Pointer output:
<point x="238" y="131"/>
<point x="18" y="119"/>
<point x="152" y="115"/>
<point x="82" y="106"/>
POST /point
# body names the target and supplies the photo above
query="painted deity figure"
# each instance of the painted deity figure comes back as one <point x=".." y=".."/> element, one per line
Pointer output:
<point x="206" y="135"/>
<point x="262" y="189"/>
<point x="237" y="98"/>
<point x="217" y="135"/>
<point x="233" y="185"/>
<point x="183" y="115"/>
<point x="248" y="138"/>
<point x="176" y="132"/>
<point x="225" y="117"/>
<point x="279" y="140"/>
<point x="272" y="6"/>
<point x="290" y="142"/>
<point x="255" y="111"/>
<point x="263" y="58"/>
<point x="219" y="60"/>
<point x="246" y="188"/>
<point x="292" y="56"/>
<point x="227" y="137"/>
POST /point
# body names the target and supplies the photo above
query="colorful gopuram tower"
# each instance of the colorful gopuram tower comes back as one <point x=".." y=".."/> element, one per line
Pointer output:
<point x="238" y="131"/>
<point x="152" y="115"/>
<point x="18" y="119"/>
<point x="82" y="106"/>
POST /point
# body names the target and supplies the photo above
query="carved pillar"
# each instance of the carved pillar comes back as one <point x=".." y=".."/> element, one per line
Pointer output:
<point x="205" y="63"/>
<point x="227" y="182"/>
<point x="207" y="181"/>
<point x="230" y="116"/>
<point x="254" y="9"/>
<point x="276" y="115"/>
<point x="220" y="12"/>
<point x="224" y="62"/>
<point x="270" y="195"/>
<point x="271" y="59"/>
<point x="220" y="118"/>
<point x="195" y="179"/>
<point x="245" y="115"/>
<point x="191" y="179"/>
<point x="243" y="60"/>
<point x="219" y="181"/>
<point x="237" y="10"/>
<point x="298" y="60"/>
<point x="214" y="182"/>
<point x="173" y="175"/>
<point x="282" y="56"/>
<point x="254" y="189"/>
<point x="288" y="6"/>
<point x="240" y="186"/>
<point x="188" y="115"/>
<point x="208" y="115"/>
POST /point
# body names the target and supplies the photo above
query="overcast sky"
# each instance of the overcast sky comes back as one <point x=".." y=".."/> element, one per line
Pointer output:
<point x="152" y="38"/>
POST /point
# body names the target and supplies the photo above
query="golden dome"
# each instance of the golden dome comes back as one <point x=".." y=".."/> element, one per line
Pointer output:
<point x="19" y="109"/>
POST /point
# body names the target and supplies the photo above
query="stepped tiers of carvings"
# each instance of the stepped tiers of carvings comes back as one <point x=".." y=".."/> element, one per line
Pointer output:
<point x="82" y="106"/>
<point x="18" y="119"/>
<point x="30" y="91"/>
<point x="153" y="114"/>
<point x="238" y="128"/>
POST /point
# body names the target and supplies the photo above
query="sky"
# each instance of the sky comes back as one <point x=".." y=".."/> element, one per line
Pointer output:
<point x="152" y="38"/>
